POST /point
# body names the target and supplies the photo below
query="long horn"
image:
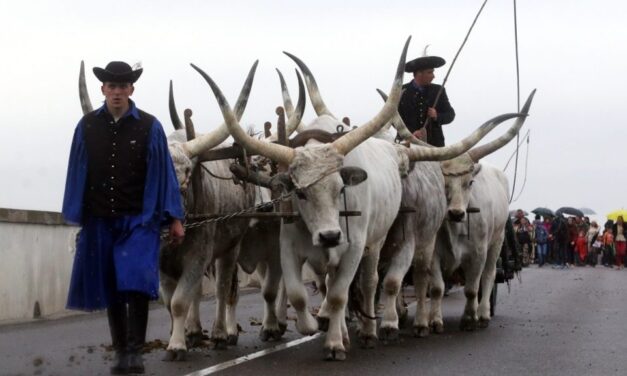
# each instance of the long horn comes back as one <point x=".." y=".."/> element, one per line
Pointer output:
<point x="217" y="136"/>
<point x="442" y="153"/>
<point x="174" y="117"/>
<point x="276" y="152"/>
<point x="481" y="151"/>
<point x="296" y="115"/>
<point x="83" y="94"/>
<point x="397" y="122"/>
<point x="430" y="153"/>
<point x="350" y="140"/>
<point x="312" y="87"/>
<point x="287" y="104"/>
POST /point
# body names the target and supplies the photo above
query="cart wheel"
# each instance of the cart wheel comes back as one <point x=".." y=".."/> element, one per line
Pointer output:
<point x="493" y="299"/>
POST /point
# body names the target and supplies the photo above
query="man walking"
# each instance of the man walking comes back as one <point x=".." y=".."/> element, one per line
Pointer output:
<point x="121" y="188"/>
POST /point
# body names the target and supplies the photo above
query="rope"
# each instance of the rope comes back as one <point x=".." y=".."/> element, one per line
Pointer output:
<point x="214" y="175"/>
<point x="437" y="97"/>
<point x="514" y="153"/>
<point x="517" y="99"/>
<point x="526" y="164"/>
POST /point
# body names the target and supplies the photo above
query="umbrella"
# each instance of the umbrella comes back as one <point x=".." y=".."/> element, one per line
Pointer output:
<point x="587" y="211"/>
<point x="617" y="213"/>
<point x="570" y="211"/>
<point x="545" y="212"/>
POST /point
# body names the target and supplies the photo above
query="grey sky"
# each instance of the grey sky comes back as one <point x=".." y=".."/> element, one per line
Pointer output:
<point x="572" y="51"/>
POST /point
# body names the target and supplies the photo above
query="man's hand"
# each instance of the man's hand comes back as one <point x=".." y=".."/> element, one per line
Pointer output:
<point x="432" y="113"/>
<point x="177" y="232"/>
<point x="420" y="134"/>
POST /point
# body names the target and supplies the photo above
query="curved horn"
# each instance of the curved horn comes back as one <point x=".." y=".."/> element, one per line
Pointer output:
<point x="431" y="153"/>
<point x="217" y="136"/>
<point x="279" y="153"/>
<point x="312" y="87"/>
<point x="287" y="104"/>
<point x="350" y="140"/>
<point x="83" y="94"/>
<point x="397" y="122"/>
<point x="174" y="117"/>
<point x="297" y="115"/>
<point x="481" y="151"/>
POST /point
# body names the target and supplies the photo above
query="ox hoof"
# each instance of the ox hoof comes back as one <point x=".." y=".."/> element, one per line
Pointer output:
<point x="270" y="335"/>
<point x="175" y="356"/>
<point x="219" y="343"/>
<point x="437" y="327"/>
<point x="323" y="323"/>
<point x="403" y="319"/>
<point x="468" y="324"/>
<point x="484" y="323"/>
<point x="330" y="354"/>
<point x="368" y="342"/>
<point x="389" y="335"/>
<point x="420" y="331"/>
<point x="231" y="340"/>
<point x="282" y="328"/>
<point x="195" y="339"/>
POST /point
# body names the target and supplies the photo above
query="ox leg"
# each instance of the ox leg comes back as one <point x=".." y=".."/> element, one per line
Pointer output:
<point x="423" y="258"/>
<point x="472" y="274"/>
<point x="436" y="293"/>
<point x="337" y="295"/>
<point x="392" y="283"/>
<point x="281" y="307"/>
<point x="168" y="285"/>
<point x="183" y="296"/>
<point x="487" y="283"/>
<point x="225" y="268"/>
<point x="193" y="328"/>
<point x="292" y="266"/>
<point x="270" y="329"/>
<point x="323" y="314"/>
<point x="369" y="280"/>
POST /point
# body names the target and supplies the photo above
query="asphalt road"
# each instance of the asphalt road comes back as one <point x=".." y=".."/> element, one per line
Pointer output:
<point x="556" y="322"/>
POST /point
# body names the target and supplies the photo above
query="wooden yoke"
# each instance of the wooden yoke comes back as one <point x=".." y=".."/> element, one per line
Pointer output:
<point x="285" y="206"/>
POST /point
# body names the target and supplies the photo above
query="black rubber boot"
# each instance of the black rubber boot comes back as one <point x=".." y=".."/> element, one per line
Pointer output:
<point x="138" y="321"/>
<point x="118" y="325"/>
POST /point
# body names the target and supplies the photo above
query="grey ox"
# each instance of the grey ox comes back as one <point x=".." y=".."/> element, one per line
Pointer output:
<point x="319" y="174"/>
<point x="473" y="246"/>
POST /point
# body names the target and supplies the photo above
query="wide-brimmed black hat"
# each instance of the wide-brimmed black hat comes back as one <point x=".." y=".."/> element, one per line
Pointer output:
<point x="424" y="62"/>
<point x="118" y="71"/>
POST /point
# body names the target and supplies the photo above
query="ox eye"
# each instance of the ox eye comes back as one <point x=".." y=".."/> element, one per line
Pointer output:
<point x="300" y="195"/>
<point x="470" y="183"/>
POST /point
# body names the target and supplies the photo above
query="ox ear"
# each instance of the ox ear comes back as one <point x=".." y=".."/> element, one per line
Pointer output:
<point x="476" y="170"/>
<point x="353" y="175"/>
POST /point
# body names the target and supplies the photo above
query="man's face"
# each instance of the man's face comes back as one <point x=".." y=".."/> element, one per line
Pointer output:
<point x="424" y="77"/>
<point x="117" y="94"/>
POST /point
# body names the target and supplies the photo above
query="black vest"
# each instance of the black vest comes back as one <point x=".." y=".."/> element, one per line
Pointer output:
<point x="116" y="163"/>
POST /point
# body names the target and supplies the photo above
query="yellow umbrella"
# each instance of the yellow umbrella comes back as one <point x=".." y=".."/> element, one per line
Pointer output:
<point x="617" y="213"/>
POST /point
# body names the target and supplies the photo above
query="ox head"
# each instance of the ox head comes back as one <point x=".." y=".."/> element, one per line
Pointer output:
<point x="315" y="170"/>
<point x="459" y="173"/>
<point x="184" y="146"/>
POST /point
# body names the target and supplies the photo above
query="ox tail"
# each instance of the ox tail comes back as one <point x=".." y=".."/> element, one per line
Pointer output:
<point x="356" y="298"/>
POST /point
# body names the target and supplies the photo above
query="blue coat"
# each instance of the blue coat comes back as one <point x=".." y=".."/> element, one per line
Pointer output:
<point x="120" y="254"/>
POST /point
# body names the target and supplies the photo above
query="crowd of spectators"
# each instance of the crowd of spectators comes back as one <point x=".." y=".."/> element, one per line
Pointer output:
<point x="566" y="242"/>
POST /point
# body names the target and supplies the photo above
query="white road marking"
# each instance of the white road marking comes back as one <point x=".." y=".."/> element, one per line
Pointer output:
<point x="255" y="355"/>
<point x="259" y="354"/>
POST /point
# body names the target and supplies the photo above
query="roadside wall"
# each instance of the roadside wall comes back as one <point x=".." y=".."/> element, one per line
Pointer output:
<point x="36" y="255"/>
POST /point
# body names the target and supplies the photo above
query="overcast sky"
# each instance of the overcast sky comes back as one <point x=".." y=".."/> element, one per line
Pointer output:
<point x="572" y="51"/>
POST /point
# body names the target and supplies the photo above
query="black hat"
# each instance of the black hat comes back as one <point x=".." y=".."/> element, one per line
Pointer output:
<point x="424" y="62"/>
<point x="118" y="71"/>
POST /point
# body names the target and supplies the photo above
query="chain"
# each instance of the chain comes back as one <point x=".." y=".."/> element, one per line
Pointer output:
<point x="232" y="215"/>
